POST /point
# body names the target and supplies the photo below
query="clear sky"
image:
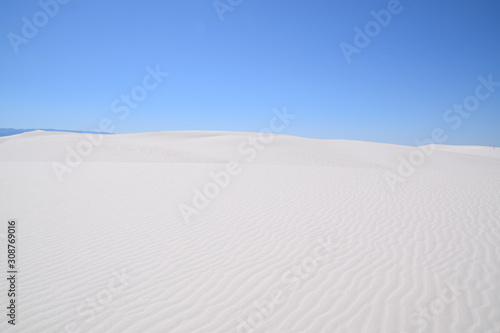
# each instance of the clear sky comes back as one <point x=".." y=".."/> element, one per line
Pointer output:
<point x="230" y="74"/>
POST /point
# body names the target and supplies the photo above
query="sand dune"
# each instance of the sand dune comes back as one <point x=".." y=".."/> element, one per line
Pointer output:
<point x="308" y="235"/>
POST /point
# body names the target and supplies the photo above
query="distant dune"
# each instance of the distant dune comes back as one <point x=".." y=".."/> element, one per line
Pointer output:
<point x="13" y="131"/>
<point x="196" y="232"/>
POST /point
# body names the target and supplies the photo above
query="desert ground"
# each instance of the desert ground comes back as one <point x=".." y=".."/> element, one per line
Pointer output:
<point x="207" y="232"/>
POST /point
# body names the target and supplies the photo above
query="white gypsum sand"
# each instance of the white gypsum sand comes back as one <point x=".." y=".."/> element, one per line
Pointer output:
<point x="307" y="237"/>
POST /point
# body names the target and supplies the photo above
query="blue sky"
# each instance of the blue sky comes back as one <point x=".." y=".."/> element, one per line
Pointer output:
<point x="230" y="74"/>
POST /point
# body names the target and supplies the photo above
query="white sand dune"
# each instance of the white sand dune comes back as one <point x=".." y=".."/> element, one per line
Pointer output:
<point x="308" y="237"/>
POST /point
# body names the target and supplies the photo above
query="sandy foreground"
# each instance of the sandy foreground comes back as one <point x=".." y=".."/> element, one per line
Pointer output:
<point x="201" y="232"/>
